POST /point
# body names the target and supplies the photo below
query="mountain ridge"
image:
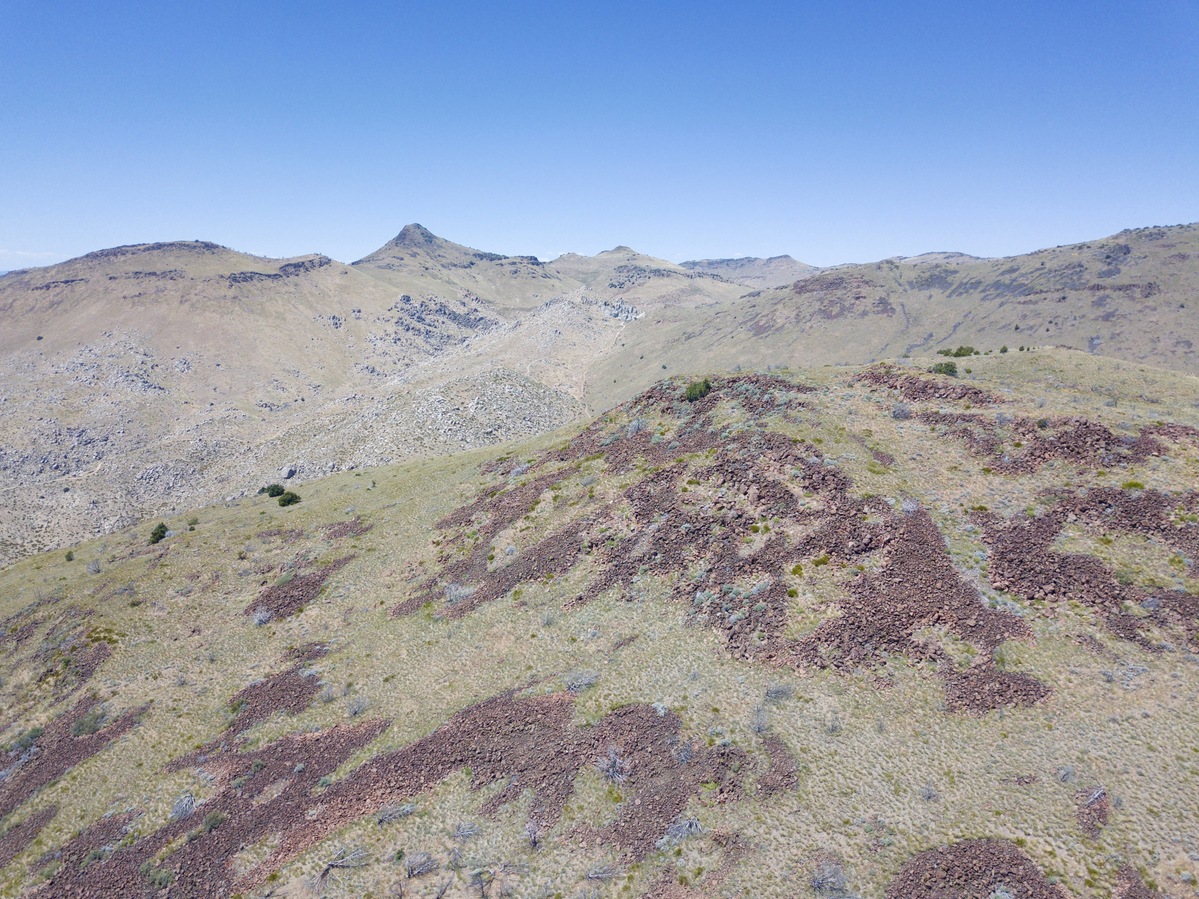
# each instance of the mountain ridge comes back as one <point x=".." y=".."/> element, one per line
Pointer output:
<point x="151" y="374"/>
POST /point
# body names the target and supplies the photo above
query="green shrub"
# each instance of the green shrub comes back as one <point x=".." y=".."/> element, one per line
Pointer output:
<point x="288" y="498"/>
<point x="159" y="878"/>
<point x="959" y="352"/>
<point x="697" y="390"/>
<point x="88" y="723"/>
<point x="25" y="740"/>
<point x="945" y="368"/>
<point x="1003" y="349"/>
<point x="272" y="490"/>
<point x="159" y="532"/>
<point x="70" y="556"/>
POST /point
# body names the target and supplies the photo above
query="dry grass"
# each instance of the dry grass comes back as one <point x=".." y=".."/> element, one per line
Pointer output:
<point x="867" y="744"/>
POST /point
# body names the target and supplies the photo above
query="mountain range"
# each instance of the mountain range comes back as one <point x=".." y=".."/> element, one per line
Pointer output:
<point x="143" y="379"/>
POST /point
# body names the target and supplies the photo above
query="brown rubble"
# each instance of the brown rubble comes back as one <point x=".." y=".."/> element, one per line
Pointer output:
<point x="1129" y="885"/>
<point x="1092" y="812"/>
<point x="1024" y="562"/>
<point x="342" y="529"/>
<point x="283" y="600"/>
<point x="694" y="540"/>
<point x="286" y="535"/>
<point x="16" y="838"/>
<point x="918" y="388"/>
<point x="290" y="691"/>
<point x="1071" y="439"/>
<point x="733" y="849"/>
<point x="972" y="869"/>
<point x="783" y="773"/>
<point x="57" y="751"/>
<point x="982" y="688"/>
<point x="1152" y="513"/>
<point x="259" y="793"/>
<point x="917" y="587"/>
<point x="525" y="743"/>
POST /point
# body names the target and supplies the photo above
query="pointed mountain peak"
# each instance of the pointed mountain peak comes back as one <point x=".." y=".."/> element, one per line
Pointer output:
<point x="415" y="235"/>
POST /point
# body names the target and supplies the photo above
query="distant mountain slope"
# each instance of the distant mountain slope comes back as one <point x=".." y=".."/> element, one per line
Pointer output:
<point x="644" y="280"/>
<point x="753" y="272"/>
<point x="136" y="378"/>
<point x="1133" y="296"/>
<point x="418" y="262"/>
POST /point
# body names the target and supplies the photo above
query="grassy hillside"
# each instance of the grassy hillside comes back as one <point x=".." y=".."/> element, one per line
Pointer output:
<point x="1131" y="296"/>
<point x="834" y="632"/>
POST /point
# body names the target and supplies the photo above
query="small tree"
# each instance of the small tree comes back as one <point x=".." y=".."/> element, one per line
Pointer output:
<point x="697" y="390"/>
<point x="945" y="368"/>
<point x="288" y="498"/>
<point x="273" y="490"/>
<point x="159" y="533"/>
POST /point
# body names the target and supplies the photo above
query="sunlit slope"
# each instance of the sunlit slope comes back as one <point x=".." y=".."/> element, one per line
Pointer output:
<point x="847" y="631"/>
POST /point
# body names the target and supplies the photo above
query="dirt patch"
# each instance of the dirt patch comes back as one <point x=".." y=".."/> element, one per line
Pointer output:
<point x="972" y="869"/>
<point x="284" y="600"/>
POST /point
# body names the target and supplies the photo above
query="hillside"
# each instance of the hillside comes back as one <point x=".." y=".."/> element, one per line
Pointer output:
<point x="154" y="377"/>
<point x="753" y="272"/>
<point x="644" y="281"/>
<point x="1131" y="296"/>
<point x="418" y="262"/>
<point x="851" y="631"/>
<point x="142" y="380"/>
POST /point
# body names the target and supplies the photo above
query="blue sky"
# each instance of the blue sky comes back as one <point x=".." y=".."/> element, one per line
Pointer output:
<point x="834" y="131"/>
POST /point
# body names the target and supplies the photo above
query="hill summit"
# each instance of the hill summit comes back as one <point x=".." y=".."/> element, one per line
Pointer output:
<point x="853" y="631"/>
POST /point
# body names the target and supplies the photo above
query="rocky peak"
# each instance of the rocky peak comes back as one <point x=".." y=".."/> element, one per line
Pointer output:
<point x="415" y="235"/>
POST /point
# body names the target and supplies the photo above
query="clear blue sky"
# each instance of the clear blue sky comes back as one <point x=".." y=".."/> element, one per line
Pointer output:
<point x="833" y="131"/>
